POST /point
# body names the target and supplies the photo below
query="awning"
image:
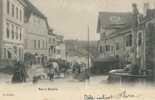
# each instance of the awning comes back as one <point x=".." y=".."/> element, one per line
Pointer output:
<point x="106" y="59"/>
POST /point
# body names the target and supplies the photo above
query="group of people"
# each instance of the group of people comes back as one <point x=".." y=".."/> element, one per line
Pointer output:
<point x="80" y="71"/>
<point x="54" y="67"/>
<point x="20" y="73"/>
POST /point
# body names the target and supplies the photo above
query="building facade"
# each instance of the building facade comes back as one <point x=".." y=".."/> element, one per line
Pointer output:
<point x="36" y="34"/>
<point x="12" y="30"/>
<point x="115" y="35"/>
<point x="57" y="48"/>
<point x="52" y="44"/>
<point x="134" y="43"/>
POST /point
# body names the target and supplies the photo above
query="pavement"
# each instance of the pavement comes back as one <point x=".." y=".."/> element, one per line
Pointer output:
<point x="5" y="78"/>
<point x="70" y="89"/>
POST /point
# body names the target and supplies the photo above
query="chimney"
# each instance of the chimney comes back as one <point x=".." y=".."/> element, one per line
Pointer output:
<point x="145" y="8"/>
<point x="135" y="9"/>
<point x="135" y="14"/>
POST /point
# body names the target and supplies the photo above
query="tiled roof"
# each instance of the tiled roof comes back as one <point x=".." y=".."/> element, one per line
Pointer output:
<point x="116" y="20"/>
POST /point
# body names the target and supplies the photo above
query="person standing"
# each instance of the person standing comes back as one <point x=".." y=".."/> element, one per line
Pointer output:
<point x="51" y="71"/>
<point x="20" y="73"/>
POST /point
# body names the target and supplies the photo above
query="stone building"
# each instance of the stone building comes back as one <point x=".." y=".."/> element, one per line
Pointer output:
<point x="11" y="30"/>
<point x="133" y="42"/>
<point x="115" y="34"/>
<point x="148" y="30"/>
<point x="36" y="33"/>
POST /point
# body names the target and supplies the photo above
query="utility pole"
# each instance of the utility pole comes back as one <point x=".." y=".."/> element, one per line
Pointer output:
<point x="88" y="50"/>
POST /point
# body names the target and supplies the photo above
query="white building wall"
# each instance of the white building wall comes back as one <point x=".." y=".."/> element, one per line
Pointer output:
<point x="16" y="30"/>
<point x="61" y="51"/>
<point x="36" y="30"/>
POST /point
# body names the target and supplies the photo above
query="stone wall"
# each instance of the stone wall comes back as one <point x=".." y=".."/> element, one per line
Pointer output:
<point x="150" y="46"/>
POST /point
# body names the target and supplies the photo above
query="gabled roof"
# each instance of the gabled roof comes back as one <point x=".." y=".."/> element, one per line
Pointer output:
<point x="114" y="20"/>
<point x="32" y="9"/>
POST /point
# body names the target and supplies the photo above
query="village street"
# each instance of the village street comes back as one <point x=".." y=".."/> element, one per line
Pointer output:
<point x="38" y="70"/>
<point x="5" y="78"/>
<point x="69" y="89"/>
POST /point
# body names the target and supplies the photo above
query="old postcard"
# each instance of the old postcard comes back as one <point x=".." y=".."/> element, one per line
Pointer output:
<point x="77" y="49"/>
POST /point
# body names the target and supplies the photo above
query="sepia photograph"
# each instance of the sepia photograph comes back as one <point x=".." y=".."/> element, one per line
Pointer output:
<point x="77" y="49"/>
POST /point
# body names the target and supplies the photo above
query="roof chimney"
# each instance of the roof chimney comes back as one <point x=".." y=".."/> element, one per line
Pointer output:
<point x="135" y="9"/>
<point x="135" y="14"/>
<point x="145" y="8"/>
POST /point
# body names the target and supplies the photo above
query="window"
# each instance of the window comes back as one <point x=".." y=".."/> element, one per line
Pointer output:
<point x="117" y="46"/>
<point x="7" y="30"/>
<point x="49" y="50"/>
<point x="100" y="49"/>
<point x="9" y="55"/>
<point x="139" y="39"/>
<point x="13" y="10"/>
<point x="38" y="43"/>
<point x="16" y="12"/>
<point x="8" y="7"/>
<point x="20" y="15"/>
<point x="5" y="55"/>
<point x="46" y="44"/>
<point x="16" y="32"/>
<point x="35" y="44"/>
<point x="19" y="53"/>
<point x="20" y="34"/>
<point x="43" y="44"/>
<point x="12" y="31"/>
<point x="15" y="49"/>
<point x="129" y="40"/>
<point x="107" y="48"/>
<point x="54" y="50"/>
<point x="22" y="53"/>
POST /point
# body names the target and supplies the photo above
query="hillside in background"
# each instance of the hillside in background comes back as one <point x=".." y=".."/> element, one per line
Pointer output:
<point x="80" y="48"/>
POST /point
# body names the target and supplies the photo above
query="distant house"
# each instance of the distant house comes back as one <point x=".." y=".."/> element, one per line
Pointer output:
<point x="51" y="44"/>
<point x="56" y="46"/>
<point x="80" y="48"/>
<point x="60" y="47"/>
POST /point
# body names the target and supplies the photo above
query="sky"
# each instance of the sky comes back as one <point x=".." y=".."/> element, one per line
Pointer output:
<point x="71" y="18"/>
